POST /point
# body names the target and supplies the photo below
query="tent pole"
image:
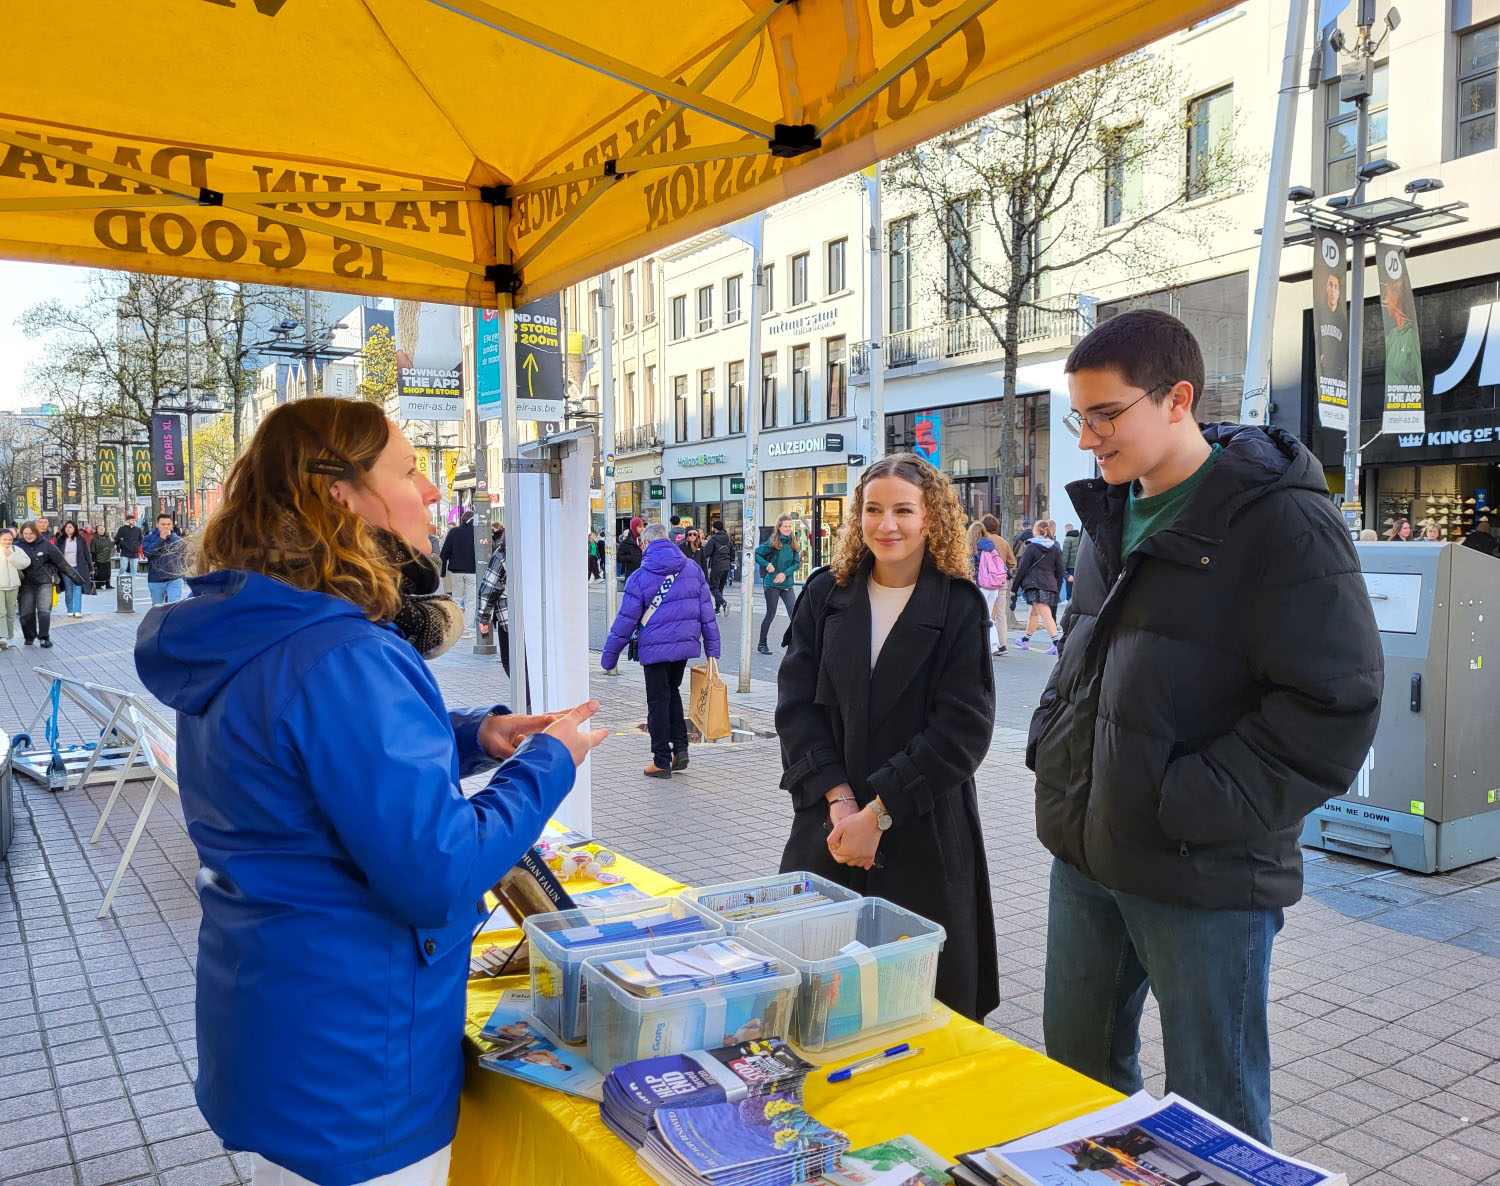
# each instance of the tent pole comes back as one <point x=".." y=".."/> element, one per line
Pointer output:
<point x="659" y="160"/>
<point x="748" y="515"/>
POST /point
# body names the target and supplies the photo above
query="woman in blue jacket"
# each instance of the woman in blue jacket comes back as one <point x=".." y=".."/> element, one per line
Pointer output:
<point x="342" y="871"/>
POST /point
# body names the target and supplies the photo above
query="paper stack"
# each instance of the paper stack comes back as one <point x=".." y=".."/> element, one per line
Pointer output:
<point x="760" y="1141"/>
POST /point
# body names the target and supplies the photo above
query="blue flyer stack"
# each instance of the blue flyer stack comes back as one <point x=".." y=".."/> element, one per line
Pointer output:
<point x="764" y="1140"/>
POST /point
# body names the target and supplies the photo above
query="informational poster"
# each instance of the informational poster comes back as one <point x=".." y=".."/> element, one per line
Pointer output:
<point x="166" y="452"/>
<point x="107" y="471"/>
<point x="540" y="394"/>
<point x="140" y="469"/>
<point x="1403" y="348"/>
<point x="487" y="374"/>
<point x="1331" y="326"/>
<point x="429" y="357"/>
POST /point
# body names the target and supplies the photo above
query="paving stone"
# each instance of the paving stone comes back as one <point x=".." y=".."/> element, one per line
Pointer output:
<point x="179" y="1123"/>
<point x="219" y="1171"/>
<point x="29" y="1131"/>
<point x="108" y="1138"/>
<point x="125" y="1166"/>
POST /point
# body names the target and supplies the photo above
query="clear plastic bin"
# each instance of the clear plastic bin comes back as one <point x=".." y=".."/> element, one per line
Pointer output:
<point x="558" y="998"/>
<point x="782" y="893"/>
<point x="623" y="1026"/>
<point x="847" y="999"/>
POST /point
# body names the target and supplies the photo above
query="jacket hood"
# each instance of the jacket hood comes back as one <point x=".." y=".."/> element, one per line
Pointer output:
<point x="1041" y="541"/>
<point x="663" y="556"/>
<point x="984" y="545"/>
<point x="185" y="652"/>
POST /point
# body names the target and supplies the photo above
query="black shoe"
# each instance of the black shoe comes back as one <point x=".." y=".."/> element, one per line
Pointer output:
<point x="46" y="642"/>
<point x="679" y="761"/>
<point x="30" y="641"/>
<point x="763" y="649"/>
<point x="655" y="771"/>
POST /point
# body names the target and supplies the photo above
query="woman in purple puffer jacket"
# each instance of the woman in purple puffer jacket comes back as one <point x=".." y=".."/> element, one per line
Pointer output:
<point x="669" y="599"/>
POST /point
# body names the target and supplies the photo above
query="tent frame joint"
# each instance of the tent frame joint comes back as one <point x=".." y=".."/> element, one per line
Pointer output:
<point x="495" y="195"/>
<point x="792" y="140"/>
<point x="504" y="277"/>
<point x="210" y="197"/>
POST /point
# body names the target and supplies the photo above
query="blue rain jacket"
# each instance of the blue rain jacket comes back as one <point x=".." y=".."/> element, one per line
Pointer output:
<point x="342" y="870"/>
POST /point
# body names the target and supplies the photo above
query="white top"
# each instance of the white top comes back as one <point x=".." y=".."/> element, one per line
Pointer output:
<point x="885" y="607"/>
<point x="70" y="550"/>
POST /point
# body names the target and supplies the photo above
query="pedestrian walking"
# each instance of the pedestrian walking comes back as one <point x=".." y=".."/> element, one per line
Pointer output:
<point x="885" y="709"/>
<point x="1199" y="712"/>
<point x="1039" y="577"/>
<point x="75" y="551"/>
<point x="630" y="550"/>
<point x="102" y="549"/>
<point x="1400" y="531"/>
<point x="993" y="563"/>
<point x="128" y="540"/>
<point x="493" y="606"/>
<point x="678" y="531"/>
<point x="13" y="562"/>
<point x="166" y="561"/>
<point x="1070" y="541"/>
<point x="42" y="575"/>
<point x="321" y="790"/>
<point x="1023" y="537"/>
<point x="719" y="562"/>
<point x="458" y="559"/>
<point x="776" y="561"/>
<point x="692" y="548"/>
<point x="668" y="610"/>
<point x="1481" y="539"/>
<point x="596" y="568"/>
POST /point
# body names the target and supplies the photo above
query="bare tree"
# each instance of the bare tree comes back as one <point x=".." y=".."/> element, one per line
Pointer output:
<point x="1094" y="173"/>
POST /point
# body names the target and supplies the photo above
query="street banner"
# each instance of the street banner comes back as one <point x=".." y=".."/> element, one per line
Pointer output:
<point x="20" y="506"/>
<point x="428" y="360"/>
<point x="72" y="487"/>
<point x="1331" y="326"/>
<point x="487" y="376"/>
<point x="49" y="495"/>
<point x="33" y="502"/>
<point x="166" y="452"/>
<point x="450" y="470"/>
<point x="106" y="472"/>
<point x="140" y="468"/>
<point x="540" y="394"/>
<point x="1403" y="347"/>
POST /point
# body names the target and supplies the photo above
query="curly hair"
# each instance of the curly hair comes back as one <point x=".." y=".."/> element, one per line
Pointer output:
<point x="278" y="518"/>
<point x="946" y="538"/>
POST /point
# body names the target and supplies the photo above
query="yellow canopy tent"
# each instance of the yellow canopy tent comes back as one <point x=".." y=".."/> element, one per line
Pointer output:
<point x="464" y="151"/>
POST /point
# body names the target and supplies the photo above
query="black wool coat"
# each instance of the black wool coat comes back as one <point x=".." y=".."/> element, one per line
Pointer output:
<point x="913" y="731"/>
<point x="1217" y="684"/>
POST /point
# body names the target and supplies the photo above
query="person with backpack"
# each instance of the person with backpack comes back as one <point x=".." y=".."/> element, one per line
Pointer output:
<point x="993" y="562"/>
<point x="1039" y="578"/>
<point x="668" y="613"/>
<point x="1222" y="679"/>
<point x="718" y="558"/>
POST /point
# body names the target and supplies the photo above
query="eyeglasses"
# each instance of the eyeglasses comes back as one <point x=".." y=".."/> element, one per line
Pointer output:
<point x="1102" y="424"/>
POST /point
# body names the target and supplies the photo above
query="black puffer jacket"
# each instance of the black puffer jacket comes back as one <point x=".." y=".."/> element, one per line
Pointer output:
<point x="1041" y="566"/>
<point x="1216" y="687"/>
<point x="48" y="565"/>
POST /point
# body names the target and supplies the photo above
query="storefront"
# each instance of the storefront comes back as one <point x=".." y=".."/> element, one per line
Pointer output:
<point x="805" y="475"/>
<point x="640" y="490"/>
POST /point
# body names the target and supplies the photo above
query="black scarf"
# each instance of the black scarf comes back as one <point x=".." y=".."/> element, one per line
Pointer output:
<point x="429" y="618"/>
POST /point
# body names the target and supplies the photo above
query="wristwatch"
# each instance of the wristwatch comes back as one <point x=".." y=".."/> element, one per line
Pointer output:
<point x="883" y="819"/>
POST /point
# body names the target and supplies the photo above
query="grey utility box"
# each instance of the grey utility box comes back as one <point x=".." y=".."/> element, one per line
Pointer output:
<point x="1429" y="796"/>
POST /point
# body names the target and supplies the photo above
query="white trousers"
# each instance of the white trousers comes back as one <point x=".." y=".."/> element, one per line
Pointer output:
<point x="466" y="593"/>
<point x="996" y="630"/>
<point x="430" y="1171"/>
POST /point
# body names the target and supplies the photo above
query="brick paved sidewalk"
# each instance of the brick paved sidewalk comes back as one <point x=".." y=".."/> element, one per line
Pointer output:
<point x="1385" y="987"/>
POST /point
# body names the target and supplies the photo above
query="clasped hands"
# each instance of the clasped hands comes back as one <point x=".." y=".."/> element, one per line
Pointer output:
<point x="500" y="734"/>
<point x="855" y="832"/>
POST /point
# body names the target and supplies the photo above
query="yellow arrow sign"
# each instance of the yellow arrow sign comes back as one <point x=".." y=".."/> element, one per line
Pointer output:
<point x="530" y="366"/>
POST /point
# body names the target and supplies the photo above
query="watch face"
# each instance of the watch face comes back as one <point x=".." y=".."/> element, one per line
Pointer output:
<point x="882" y="820"/>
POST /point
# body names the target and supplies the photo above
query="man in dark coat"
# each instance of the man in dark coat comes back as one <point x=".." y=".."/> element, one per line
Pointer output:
<point x="128" y="542"/>
<point x="1221" y="679"/>
<point x="457" y="557"/>
<point x="1481" y="540"/>
<point x="718" y="557"/>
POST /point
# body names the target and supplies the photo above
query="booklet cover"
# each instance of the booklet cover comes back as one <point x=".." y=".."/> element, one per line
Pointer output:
<point x="762" y="1139"/>
<point x="901" y="1161"/>
<point x="521" y="1049"/>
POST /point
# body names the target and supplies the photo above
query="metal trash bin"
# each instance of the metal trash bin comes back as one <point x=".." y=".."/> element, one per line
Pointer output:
<point x="1428" y="798"/>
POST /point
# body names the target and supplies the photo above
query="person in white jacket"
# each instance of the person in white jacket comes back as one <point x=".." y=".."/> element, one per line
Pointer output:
<point x="12" y="561"/>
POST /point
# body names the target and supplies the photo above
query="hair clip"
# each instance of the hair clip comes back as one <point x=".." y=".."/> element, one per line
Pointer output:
<point x="329" y="468"/>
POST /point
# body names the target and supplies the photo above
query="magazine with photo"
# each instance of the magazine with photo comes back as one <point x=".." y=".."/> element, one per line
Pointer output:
<point x="1167" y="1142"/>
<point x="900" y="1161"/>
<point x="764" y="1140"/>
<point x="522" y="1049"/>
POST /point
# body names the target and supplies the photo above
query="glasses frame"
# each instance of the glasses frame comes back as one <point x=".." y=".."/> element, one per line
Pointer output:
<point x="1074" y="422"/>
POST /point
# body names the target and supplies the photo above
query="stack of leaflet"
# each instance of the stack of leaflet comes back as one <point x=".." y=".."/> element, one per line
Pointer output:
<point x="724" y="962"/>
<point x="634" y="1091"/>
<point x="766" y="1140"/>
<point x="663" y="924"/>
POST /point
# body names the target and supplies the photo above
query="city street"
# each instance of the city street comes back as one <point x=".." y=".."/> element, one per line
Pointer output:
<point x="1385" y="986"/>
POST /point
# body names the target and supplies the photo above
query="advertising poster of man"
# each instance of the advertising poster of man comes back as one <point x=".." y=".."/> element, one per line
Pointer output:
<point x="1331" y="323"/>
<point x="1403" y="347"/>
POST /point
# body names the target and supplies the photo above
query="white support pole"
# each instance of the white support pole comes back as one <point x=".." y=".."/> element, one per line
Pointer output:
<point x="876" y="354"/>
<point x="749" y="516"/>
<point x="1257" y="391"/>
<point x="515" y="525"/>
<point x="607" y="448"/>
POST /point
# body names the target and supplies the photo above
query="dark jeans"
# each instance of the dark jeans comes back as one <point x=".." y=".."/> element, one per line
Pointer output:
<point x="103" y="572"/>
<point x="1209" y="971"/>
<point x="664" y="719"/>
<point x="775" y="595"/>
<point x="716" y="584"/>
<point x="35" y="607"/>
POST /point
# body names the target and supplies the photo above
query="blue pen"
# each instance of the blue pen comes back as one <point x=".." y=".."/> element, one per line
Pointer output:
<point x="875" y="1060"/>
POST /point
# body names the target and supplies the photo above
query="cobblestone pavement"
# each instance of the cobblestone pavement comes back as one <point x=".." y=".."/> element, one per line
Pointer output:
<point x="1385" y="989"/>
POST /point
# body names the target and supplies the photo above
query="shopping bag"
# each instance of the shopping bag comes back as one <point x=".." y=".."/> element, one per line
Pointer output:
<point x="709" y="701"/>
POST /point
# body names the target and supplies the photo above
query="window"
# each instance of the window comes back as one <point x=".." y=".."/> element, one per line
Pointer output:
<point x="835" y="265"/>
<point x="1476" y="89"/>
<point x="593" y="303"/>
<point x="1122" y="172"/>
<point x="648" y="270"/>
<point x="732" y="312"/>
<point x="679" y="318"/>
<point x="959" y="251"/>
<point x="736" y="391"/>
<point x="1210" y="120"/>
<point x="838" y="377"/>
<point x="801" y="398"/>
<point x="706" y="403"/>
<point x="768" y="278"/>
<point x="627" y="310"/>
<point x="899" y="234"/>
<point x="614" y="310"/>
<point x="1339" y="132"/>
<point x="626" y="414"/>
<point x="705" y="308"/>
<point x="648" y="411"/>
<point x="679" y="406"/>
<point x="768" y="390"/>
<point x="799" y="279"/>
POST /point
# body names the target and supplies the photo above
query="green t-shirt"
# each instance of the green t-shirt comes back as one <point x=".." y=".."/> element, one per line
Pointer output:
<point x="1146" y="515"/>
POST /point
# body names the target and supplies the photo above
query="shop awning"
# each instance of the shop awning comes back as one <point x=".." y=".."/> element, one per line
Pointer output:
<point x="453" y="150"/>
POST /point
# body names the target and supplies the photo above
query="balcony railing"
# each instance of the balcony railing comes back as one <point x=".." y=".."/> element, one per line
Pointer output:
<point x="643" y="439"/>
<point x="1061" y="317"/>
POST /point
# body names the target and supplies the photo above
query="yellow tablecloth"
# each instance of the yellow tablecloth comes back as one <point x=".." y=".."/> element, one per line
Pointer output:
<point x="969" y="1087"/>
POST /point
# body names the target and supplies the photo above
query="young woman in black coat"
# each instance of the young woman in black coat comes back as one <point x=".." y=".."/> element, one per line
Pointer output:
<point x="886" y="707"/>
<point x="46" y="570"/>
<point x="1039" y="577"/>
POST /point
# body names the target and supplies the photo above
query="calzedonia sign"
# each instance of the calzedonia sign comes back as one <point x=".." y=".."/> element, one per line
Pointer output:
<point x="832" y="443"/>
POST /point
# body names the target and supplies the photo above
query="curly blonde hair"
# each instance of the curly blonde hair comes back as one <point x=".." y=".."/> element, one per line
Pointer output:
<point x="278" y="518"/>
<point x="946" y="539"/>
